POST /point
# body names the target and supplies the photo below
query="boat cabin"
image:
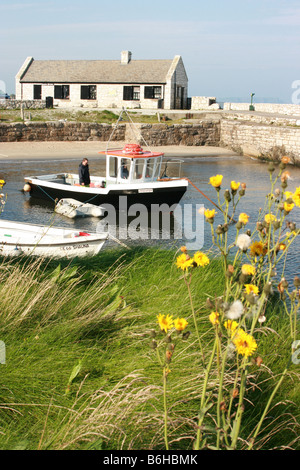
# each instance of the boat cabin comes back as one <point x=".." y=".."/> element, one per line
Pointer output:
<point x="132" y="165"/>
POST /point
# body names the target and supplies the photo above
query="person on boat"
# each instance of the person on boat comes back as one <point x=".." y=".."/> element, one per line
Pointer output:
<point x="84" y="173"/>
<point x="124" y="172"/>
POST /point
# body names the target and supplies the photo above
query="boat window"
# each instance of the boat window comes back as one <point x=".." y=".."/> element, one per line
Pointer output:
<point x="113" y="167"/>
<point x="149" y="167"/>
<point x="157" y="169"/>
<point x="125" y="168"/>
<point x="138" y="168"/>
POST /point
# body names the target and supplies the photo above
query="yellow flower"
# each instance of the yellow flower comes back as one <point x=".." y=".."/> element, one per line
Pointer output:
<point x="180" y="324"/>
<point x="248" y="269"/>
<point x="2" y="183"/>
<point x="165" y="322"/>
<point x="269" y="218"/>
<point x="231" y="325"/>
<point x="216" y="181"/>
<point x="256" y="249"/>
<point x="214" y="318"/>
<point x="244" y="218"/>
<point x="184" y="262"/>
<point x="209" y="214"/>
<point x="282" y="246"/>
<point x="234" y="186"/>
<point x="245" y="344"/>
<point x="288" y="207"/>
<point x="200" y="259"/>
<point x="288" y="194"/>
<point x="296" y="197"/>
<point x="251" y="288"/>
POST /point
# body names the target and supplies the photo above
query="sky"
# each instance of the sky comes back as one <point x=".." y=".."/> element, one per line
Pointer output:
<point x="230" y="48"/>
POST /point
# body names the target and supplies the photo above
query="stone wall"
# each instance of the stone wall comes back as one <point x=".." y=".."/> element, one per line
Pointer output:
<point x="204" y="102"/>
<point x="289" y="109"/>
<point x="28" y="104"/>
<point x="59" y="131"/>
<point x="260" y="140"/>
<point x="202" y="133"/>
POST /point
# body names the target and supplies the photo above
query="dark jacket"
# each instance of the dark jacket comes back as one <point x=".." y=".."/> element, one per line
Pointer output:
<point x="84" y="174"/>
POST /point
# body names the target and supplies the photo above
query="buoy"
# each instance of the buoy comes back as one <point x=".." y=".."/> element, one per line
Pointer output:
<point x="27" y="188"/>
<point x="132" y="149"/>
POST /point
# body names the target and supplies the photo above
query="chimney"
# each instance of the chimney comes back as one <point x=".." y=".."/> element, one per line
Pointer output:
<point x="125" y="57"/>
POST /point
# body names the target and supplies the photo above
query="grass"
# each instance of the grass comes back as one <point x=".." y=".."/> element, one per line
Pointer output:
<point x="84" y="115"/>
<point x="80" y="372"/>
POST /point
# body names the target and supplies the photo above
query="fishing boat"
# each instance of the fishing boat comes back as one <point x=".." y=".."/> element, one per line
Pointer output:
<point x="142" y="176"/>
<point x="39" y="240"/>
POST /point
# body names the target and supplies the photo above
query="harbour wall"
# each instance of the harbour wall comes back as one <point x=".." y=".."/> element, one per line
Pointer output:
<point x="204" y="133"/>
<point x="259" y="138"/>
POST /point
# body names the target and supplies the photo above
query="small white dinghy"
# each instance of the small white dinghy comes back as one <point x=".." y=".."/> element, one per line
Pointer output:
<point x="39" y="240"/>
<point x="72" y="208"/>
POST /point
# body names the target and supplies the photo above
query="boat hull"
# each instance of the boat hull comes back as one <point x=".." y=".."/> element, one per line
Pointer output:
<point x="17" y="238"/>
<point x="146" y="196"/>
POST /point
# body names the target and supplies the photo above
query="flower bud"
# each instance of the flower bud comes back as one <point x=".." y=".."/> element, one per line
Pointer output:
<point x="227" y="196"/>
<point x="185" y="335"/>
<point x="169" y="355"/>
<point x="252" y="299"/>
<point x="296" y="281"/>
<point x="282" y="166"/>
<point x="271" y="167"/>
<point x="243" y="278"/>
<point x="268" y="288"/>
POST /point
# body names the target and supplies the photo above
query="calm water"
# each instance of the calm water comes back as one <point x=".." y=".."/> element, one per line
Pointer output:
<point x="21" y="207"/>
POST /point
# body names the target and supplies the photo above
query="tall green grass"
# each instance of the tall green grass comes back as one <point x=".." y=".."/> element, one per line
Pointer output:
<point x="80" y="372"/>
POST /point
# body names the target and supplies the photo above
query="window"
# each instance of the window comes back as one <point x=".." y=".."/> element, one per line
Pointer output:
<point x="88" y="92"/>
<point x="37" y="92"/>
<point x="149" y="167"/>
<point x="125" y="168"/>
<point x="157" y="169"/>
<point x="138" y="169"/>
<point x="113" y="167"/>
<point x="131" y="93"/>
<point x="152" y="92"/>
<point x="62" y="92"/>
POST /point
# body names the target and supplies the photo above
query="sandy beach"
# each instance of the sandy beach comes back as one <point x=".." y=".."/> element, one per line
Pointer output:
<point x="90" y="149"/>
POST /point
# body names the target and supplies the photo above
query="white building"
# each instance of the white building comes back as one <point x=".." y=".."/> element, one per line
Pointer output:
<point x="131" y="83"/>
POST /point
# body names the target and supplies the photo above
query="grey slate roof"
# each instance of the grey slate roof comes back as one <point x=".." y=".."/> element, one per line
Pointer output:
<point x="97" y="71"/>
